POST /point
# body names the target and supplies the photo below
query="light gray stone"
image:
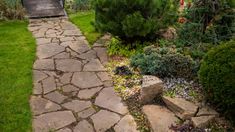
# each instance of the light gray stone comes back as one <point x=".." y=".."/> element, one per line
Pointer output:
<point x="65" y="78"/>
<point x="83" y="126"/>
<point x="38" y="76"/>
<point x="64" y="39"/>
<point x="69" y="88"/>
<point x="45" y="64"/>
<point x="102" y="54"/>
<point x="43" y="41"/>
<point x="37" y="88"/>
<point x="86" y="80"/>
<point x="68" y="65"/>
<point x="151" y="87"/>
<point x="104" y="76"/>
<point x="182" y="108"/>
<point x="126" y="124"/>
<point x="79" y="47"/>
<point x="108" y="99"/>
<point x="48" y="85"/>
<point x="159" y="117"/>
<point x="56" y="97"/>
<point x="103" y="120"/>
<point x="77" y="105"/>
<point x="91" y="54"/>
<point x="86" y="113"/>
<point x="88" y="93"/>
<point x="53" y="121"/>
<point x="40" y="105"/>
<point x="202" y="121"/>
<point x="48" y="50"/>
<point x="94" y="65"/>
<point x="63" y="55"/>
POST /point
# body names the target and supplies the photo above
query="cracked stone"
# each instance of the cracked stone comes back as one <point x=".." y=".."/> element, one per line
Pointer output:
<point x="69" y="88"/>
<point x="38" y="76"/>
<point x="108" y="120"/>
<point x="104" y="76"/>
<point x="86" y="113"/>
<point x="68" y="65"/>
<point x="86" y="80"/>
<point x="77" y="105"/>
<point x="88" y="93"/>
<point x="126" y="124"/>
<point x="102" y="54"/>
<point x="63" y="55"/>
<point x="108" y="99"/>
<point x="79" y="48"/>
<point x="56" y="97"/>
<point x="53" y="121"/>
<point x="83" y="126"/>
<point x="94" y="65"/>
<point x="65" y="78"/>
<point x="88" y="55"/>
<point x="49" y="85"/>
<point x="48" y="50"/>
<point x="40" y="105"/>
<point x="45" y="64"/>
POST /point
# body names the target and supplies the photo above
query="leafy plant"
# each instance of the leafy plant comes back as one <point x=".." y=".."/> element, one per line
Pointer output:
<point x="11" y="9"/>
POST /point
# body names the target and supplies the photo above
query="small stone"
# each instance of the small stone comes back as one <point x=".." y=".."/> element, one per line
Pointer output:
<point x="202" y="121"/>
<point x="126" y="124"/>
<point x="108" y="99"/>
<point x="86" y="113"/>
<point x="45" y="64"/>
<point x="40" y="105"/>
<point x="102" y="54"/>
<point x="48" y="50"/>
<point x="38" y="76"/>
<point x="69" y="88"/>
<point x="159" y="117"/>
<point x="103" y="120"/>
<point x="182" y="108"/>
<point x="206" y="111"/>
<point x="53" y="121"/>
<point x="94" y="65"/>
<point x="151" y="87"/>
<point x="86" y="80"/>
<point x="83" y="126"/>
<point x="88" y="93"/>
<point x="65" y="78"/>
<point x="77" y="105"/>
<point x="64" y="130"/>
<point x="91" y="54"/>
<point x="68" y="65"/>
<point x="56" y="97"/>
<point x="49" y="85"/>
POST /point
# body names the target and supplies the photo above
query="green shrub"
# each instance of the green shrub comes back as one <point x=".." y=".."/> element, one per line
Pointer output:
<point x="164" y="62"/>
<point x="217" y="75"/>
<point x="132" y="20"/>
<point x="11" y="9"/>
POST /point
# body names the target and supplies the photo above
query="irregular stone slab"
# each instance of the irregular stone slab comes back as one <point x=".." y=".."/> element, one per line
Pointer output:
<point x="151" y="87"/>
<point x="86" y="80"/>
<point x="51" y="31"/>
<point x="86" y="113"/>
<point x="69" y="88"/>
<point x="53" y="121"/>
<point x="45" y="64"/>
<point x="103" y="120"/>
<point x="63" y="39"/>
<point x="72" y="33"/>
<point x="65" y="78"/>
<point x="126" y="124"/>
<point x="48" y="85"/>
<point x="48" y="50"/>
<point x="67" y="43"/>
<point x="104" y="76"/>
<point x="67" y="26"/>
<point x="94" y="65"/>
<point x="182" y="108"/>
<point x="83" y="126"/>
<point x="40" y="105"/>
<point x="109" y="100"/>
<point x="56" y="97"/>
<point x="68" y="65"/>
<point x="64" y="130"/>
<point x="102" y="54"/>
<point x="202" y="121"/>
<point x="88" y="93"/>
<point x="63" y="55"/>
<point x="43" y="41"/>
<point x="38" y="76"/>
<point x="79" y="47"/>
<point x="91" y="54"/>
<point x="206" y="111"/>
<point x="37" y="88"/>
<point x="159" y="117"/>
<point x="77" y="105"/>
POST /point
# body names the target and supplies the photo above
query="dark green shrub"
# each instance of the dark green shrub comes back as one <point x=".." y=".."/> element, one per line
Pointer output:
<point x="217" y="75"/>
<point x="11" y="9"/>
<point x="132" y="20"/>
<point x="164" y="62"/>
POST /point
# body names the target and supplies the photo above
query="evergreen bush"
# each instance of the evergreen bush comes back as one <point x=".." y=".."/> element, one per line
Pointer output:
<point x="132" y="20"/>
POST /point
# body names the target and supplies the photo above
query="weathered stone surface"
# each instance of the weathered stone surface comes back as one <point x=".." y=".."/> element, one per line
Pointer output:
<point x="86" y="80"/>
<point x="63" y="55"/>
<point x="64" y="130"/>
<point x="79" y="47"/>
<point x="40" y="105"/>
<point x="104" y="76"/>
<point x="206" y="111"/>
<point x="51" y="31"/>
<point x="159" y="117"/>
<point x="88" y="93"/>
<point x="151" y="87"/>
<point x="69" y="88"/>
<point x="48" y="85"/>
<point x="67" y="26"/>
<point x="48" y="50"/>
<point x="83" y="126"/>
<point x="88" y="55"/>
<point x="108" y="120"/>
<point x="94" y="65"/>
<point x="182" y="108"/>
<point x="38" y="76"/>
<point x="63" y="39"/>
<point x="202" y="121"/>
<point x="108" y="99"/>
<point x="86" y="113"/>
<point x="72" y="33"/>
<point x="43" y="41"/>
<point x="37" y="88"/>
<point x="102" y="54"/>
<point x="45" y="64"/>
<point x="68" y="65"/>
<point x="56" y="97"/>
<point x="65" y="78"/>
<point x="77" y="105"/>
<point x="53" y="121"/>
<point x="126" y="124"/>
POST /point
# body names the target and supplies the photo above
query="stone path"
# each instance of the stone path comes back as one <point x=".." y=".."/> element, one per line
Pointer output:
<point x="72" y="90"/>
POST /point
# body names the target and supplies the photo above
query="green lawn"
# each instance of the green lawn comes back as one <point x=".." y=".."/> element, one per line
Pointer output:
<point x="17" y="53"/>
<point x="83" y="20"/>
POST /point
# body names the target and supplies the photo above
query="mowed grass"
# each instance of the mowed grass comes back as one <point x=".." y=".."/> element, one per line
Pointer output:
<point x="84" y="19"/>
<point x="17" y="54"/>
